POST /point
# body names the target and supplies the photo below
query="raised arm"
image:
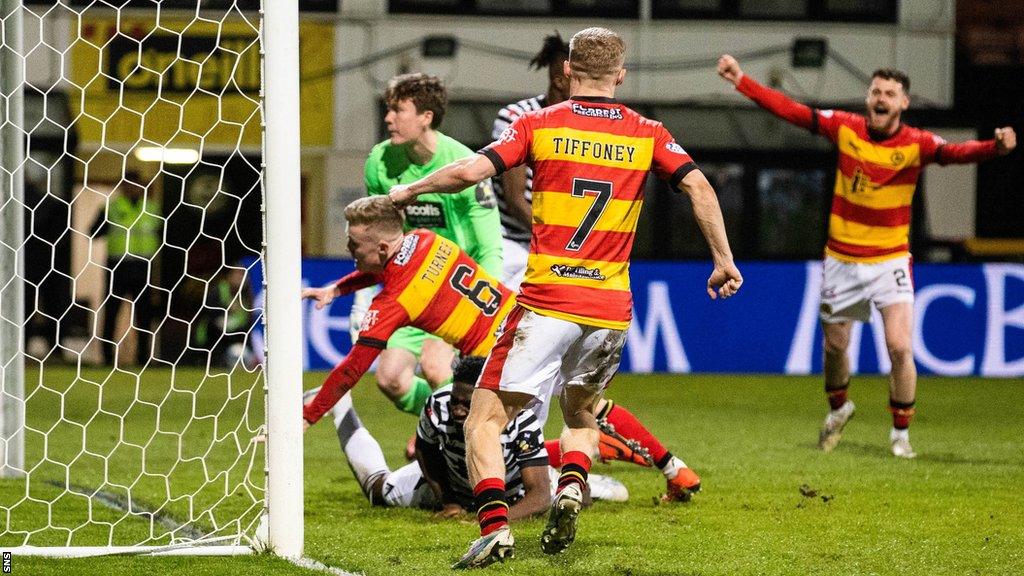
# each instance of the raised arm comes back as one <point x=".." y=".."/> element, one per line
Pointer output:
<point x="771" y="100"/>
<point x="977" y="150"/>
<point x="725" y="279"/>
<point x="454" y="177"/>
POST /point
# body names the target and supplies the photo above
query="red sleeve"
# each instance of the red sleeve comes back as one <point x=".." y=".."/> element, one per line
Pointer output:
<point x="382" y="319"/>
<point x="777" y="103"/>
<point x="965" y="152"/>
<point x="824" y="122"/>
<point x="384" y="316"/>
<point x="342" y="379"/>
<point x="355" y="281"/>
<point x="669" y="161"/>
<point x="512" y="148"/>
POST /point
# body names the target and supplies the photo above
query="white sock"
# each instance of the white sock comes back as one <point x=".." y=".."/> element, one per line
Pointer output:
<point x="673" y="467"/>
<point x="895" y="434"/>
<point x="365" y="457"/>
<point x="341" y="409"/>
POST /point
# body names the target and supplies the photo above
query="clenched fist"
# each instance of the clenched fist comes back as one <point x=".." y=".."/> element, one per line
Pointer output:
<point x="729" y="69"/>
<point x="1006" y="140"/>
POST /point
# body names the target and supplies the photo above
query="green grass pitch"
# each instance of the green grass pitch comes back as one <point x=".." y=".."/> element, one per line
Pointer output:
<point x="957" y="509"/>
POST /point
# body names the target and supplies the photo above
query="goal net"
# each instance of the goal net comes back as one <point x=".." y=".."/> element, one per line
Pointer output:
<point x="131" y="220"/>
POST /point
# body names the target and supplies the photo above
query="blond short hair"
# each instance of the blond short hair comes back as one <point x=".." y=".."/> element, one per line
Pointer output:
<point x="595" y="53"/>
<point x="378" y="212"/>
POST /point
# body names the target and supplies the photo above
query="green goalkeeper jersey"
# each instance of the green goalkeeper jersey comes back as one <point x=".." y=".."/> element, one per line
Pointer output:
<point x="469" y="218"/>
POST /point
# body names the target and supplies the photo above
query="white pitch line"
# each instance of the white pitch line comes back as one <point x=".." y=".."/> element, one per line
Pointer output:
<point x="311" y="564"/>
<point x="120" y="504"/>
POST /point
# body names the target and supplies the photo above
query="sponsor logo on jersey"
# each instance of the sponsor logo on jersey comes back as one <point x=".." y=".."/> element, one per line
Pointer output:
<point x="898" y="158"/>
<point x="582" y="272"/>
<point x="485" y="194"/>
<point x="676" y="148"/>
<point x="369" y="319"/>
<point x="507" y="135"/>
<point x="425" y="215"/>
<point x="595" y="112"/>
<point x="407" y="249"/>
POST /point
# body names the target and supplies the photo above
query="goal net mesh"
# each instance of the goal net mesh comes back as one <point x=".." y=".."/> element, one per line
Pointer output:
<point x="141" y="212"/>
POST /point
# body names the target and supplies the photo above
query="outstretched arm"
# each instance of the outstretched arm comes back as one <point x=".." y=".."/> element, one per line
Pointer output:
<point x="725" y="279"/>
<point x="771" y="100"/>
<point x="346" y="285"/>
<point x="454" y="177"/>
<point x="978" y="150"/>
<point x="342" y="379"/>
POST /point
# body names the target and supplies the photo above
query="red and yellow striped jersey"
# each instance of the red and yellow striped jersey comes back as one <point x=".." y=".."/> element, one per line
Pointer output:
<point x="875" y="183"/>
<point x="430" y="284"/>
<point x="875" y="179"/>
<point x="590" y="157"/>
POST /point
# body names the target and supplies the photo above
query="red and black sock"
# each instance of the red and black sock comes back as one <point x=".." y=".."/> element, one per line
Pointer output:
<point x="837" y="396"/>
<point x="491" y="508"/>
<point x="902" y="413"/>
<point x="575" y="467"/>
<point x="554" y="449"/>
<point x="629" y="427"/>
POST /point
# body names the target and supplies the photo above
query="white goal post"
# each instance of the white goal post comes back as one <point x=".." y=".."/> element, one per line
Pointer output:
<point x="166" y="455"/>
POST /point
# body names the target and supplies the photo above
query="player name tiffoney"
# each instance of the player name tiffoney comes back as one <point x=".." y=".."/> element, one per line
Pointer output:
<point x="591" y="149"/>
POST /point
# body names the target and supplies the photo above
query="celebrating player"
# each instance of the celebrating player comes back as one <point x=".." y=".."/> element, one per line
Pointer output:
<point x="415" y="147"/>
<point x="514" y="189"/>
<point x="438" y="480"/>
<point x="590" y="156"/>
<point x="867" y="258"/>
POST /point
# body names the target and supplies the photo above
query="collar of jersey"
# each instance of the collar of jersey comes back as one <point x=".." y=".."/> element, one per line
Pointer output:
<point x="871" y="135"/>
<point x="595" y="99"/>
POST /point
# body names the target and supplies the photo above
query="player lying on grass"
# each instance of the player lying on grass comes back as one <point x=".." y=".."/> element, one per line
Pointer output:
<point x="867" y="257"/>
<point x="431" y="284"/>
<point x="438" y="479"/>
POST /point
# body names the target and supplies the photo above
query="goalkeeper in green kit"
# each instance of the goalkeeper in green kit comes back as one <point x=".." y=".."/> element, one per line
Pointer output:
<point x="416" y="106"/>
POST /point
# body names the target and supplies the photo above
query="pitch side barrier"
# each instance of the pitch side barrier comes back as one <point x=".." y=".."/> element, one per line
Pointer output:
<point x="969" y="320"/>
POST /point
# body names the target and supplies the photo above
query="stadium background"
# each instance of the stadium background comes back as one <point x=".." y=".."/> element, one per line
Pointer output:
<point x="773" y="179"/>
<point x="955" y="510"/>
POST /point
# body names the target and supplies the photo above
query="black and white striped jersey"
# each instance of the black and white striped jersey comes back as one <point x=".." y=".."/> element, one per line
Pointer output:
<point x="522" y="444"/>
<point x="514" y="229"/>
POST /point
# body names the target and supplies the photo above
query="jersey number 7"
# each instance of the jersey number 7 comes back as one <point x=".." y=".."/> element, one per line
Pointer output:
<point x="580" y="189"/>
